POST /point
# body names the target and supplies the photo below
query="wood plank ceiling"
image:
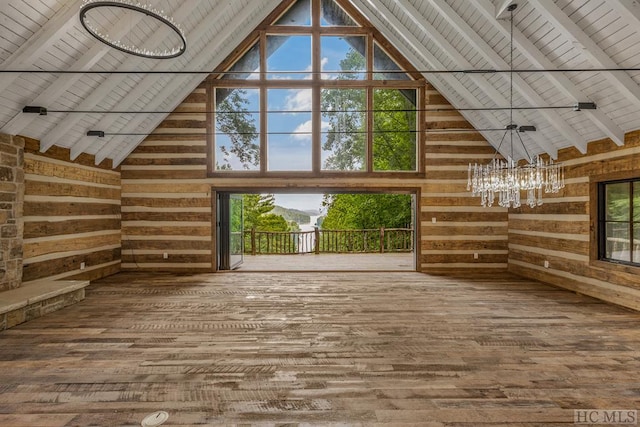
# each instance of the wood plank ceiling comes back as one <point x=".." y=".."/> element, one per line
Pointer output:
<point x="433" y="35"/>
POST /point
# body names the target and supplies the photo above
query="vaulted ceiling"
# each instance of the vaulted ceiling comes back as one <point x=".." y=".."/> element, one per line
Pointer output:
<point x="597" y="37"/>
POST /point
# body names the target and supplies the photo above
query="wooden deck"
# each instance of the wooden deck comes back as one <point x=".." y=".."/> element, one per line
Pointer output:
<point x="350" y="349"/>
<point x="330" y="262"/>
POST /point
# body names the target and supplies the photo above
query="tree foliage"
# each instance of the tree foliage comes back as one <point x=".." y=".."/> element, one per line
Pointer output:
<point x="365" y="211"/>
<point x="392" y="150"/>
<point x="234" y="120"/>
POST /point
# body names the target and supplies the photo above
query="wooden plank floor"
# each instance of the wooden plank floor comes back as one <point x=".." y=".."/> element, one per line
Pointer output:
<point x="334" y="262"/>
<point x="320" y="349"/>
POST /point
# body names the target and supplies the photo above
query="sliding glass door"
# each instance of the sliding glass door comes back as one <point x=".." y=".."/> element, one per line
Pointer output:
<point x="230" y="231"/>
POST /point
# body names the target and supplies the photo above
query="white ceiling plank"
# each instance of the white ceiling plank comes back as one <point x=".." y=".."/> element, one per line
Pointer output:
<point x="561" y="81"/>
<point x="628" y="9"/>
<point x="202" y="62"/>
<point x="521" y="86"/>
<point x="620" y="80"/>
<point x="428" y="60"/>
<point x="65" y="81"/>
<point x="106" y="87"/>
<point x="40" y="41"/>
<point x="478" y="79"/>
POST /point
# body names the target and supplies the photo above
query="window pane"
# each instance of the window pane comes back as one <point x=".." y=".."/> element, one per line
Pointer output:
<point x="298" y="14"/>
<point x="394" y="127"/>
<point x="288" y="54"/>
<point x="237" y="129"/>
<point x="289" y="132"/>
<point x="636" y="201"/>
<point x="344" y="128"/>
<point x="617" y="201"/>
<point x="618" y="244"/>
<point x="636" y="242"/>
<point x="333" y="15"/>
<point x="343" y="53"/>
<point x="247" y="67"/>
<point x="383" y="62"/>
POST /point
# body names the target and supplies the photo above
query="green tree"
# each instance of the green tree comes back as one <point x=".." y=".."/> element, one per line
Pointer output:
<point x="255" y="206"/>
<point x="234" y="120"/>
<point x="258" y="215"/>
<point x="394" y="125"/>
<point x="344" y="110"/>
<point x="366" y="211"/>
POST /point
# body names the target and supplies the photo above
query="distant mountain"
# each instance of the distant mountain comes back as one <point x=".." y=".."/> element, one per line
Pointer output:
<point x="299" y="217"/>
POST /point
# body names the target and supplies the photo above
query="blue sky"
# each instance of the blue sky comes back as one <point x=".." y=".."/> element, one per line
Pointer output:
<point x="292" y="152"/>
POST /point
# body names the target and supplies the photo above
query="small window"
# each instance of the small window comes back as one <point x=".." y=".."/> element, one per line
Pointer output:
<point x="619" y="221"/>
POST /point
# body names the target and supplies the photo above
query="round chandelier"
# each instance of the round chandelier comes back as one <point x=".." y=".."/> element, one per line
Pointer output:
<point x="90" y="23"/>
<point x="508" y="178"/>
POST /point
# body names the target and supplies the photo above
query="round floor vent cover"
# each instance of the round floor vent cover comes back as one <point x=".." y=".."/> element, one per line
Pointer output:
<point x="155" y="419"/>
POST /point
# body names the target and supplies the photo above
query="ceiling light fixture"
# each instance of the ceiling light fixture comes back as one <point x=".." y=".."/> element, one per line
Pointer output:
<point x="147" y="10"/>
<point x="507" y="178"/>
<point x="35" y="109"/>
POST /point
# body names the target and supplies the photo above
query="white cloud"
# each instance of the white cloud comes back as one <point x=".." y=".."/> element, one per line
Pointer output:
<point x="303" y="131"/>
<point x="299" y="100"/>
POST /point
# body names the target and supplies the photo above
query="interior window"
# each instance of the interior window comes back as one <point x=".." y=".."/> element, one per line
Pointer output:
<point x="619" y="220"/>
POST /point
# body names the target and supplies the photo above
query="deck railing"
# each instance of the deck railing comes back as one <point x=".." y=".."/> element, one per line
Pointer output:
<point x="379" y="240"/>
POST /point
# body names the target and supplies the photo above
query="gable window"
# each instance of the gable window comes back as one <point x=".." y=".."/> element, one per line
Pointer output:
<point x="619" y="221"/>
<point x="315" y="92"/>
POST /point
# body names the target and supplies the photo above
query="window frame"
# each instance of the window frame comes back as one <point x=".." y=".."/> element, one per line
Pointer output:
<point x="598" y="221"/>
<point x="602" y="221"/>
<point x="316" y="84"/>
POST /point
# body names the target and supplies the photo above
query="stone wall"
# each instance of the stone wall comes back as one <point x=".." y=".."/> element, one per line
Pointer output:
<point x="11" y="210"/>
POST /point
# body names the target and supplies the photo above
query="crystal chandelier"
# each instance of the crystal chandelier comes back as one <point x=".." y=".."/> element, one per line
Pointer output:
<point x="507" y="179"/>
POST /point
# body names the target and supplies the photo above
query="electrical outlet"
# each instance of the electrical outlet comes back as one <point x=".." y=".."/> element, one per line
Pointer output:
<point x="433" y="220"/>
<point x="82" y="266"/>
<point x="546" y="264"/>
<point x="475" y="255"/>
<point x="165" y="255"/>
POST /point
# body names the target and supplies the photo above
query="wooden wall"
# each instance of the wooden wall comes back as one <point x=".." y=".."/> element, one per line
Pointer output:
<point x="71" y="216"/>
<point x="562" y="230"/>
<point x="454" y="225"/>
<point x="166" y="197"/>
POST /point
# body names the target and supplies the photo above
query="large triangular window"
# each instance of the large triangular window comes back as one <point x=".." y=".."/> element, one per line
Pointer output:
<point x="315" y="90"/>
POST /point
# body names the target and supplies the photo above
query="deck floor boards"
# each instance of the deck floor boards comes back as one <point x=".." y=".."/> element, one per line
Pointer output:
<point x="360" y="348"/>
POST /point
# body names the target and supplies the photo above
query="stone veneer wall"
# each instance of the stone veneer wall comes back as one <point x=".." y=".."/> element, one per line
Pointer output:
<point x="11" y="210"/>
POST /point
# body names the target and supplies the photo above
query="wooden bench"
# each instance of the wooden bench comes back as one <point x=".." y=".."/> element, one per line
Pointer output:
<point x="38" y="298"/>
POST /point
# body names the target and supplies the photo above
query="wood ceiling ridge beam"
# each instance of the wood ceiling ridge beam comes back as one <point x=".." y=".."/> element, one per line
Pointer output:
<point x="40" y="41"/>
<point x="560" y="80"/>
<point x="478" y="79"/>
<point x="598" y="57"/>
<point x="519" y="84"/>
<point x="64" y="82"/>
<point x="208" y="62"/>
<point x="67" y="122"/>
<point x="428" y="60"/>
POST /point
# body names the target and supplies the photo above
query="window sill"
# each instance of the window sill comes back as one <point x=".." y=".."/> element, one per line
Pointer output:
<point x="610" y="265"/>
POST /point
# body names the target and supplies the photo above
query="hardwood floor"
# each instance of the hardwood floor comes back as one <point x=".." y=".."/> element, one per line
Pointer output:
<point x="336" y="262"/>
<point x="320" y="349"/>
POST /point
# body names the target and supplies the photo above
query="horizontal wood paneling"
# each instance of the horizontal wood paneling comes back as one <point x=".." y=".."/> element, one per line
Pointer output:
<point x="560" y="231"/>
<point x="72" y="216"/>
<point x="166" y="197"/>
<point x="454" y="227"/>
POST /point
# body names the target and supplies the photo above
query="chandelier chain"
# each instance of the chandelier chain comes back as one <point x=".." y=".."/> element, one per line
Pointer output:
<point x="506" y="179"/>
